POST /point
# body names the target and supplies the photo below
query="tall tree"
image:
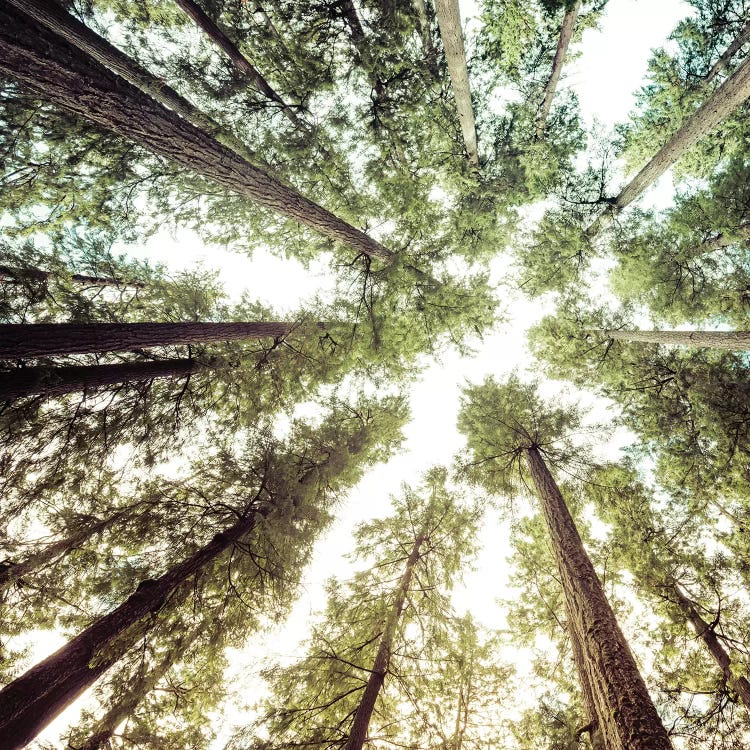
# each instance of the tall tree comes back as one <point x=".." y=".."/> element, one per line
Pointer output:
<point x="507" y="423"/>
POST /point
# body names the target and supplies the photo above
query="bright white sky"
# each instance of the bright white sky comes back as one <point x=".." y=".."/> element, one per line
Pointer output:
<point x="611" y="68"/>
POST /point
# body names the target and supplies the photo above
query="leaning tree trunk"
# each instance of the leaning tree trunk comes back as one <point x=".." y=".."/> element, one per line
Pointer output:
<point x="563" y="42"/>
<point x="704" y="631"/>
<point x="625" y="713"/>
<point x="361" y="722"/>
<point x="740" y="41"/>
<point x="18" y="275"/>
<point x="55" y="18"/>
<point x="29" y="340"/>
<point x="35" y="698"/>
<point x="734" y="340"/>
<point x="57" y="381"/>
<point x="240" y="62"/>
<point x="449" y="22"/>
<point x="72" y="79"/>
<point x="740" y="233"/>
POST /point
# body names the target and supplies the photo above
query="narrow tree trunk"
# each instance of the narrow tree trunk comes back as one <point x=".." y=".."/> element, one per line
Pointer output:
<point x="626" y="715"/>
<point x="742" y="38"/>
<point x="424" y="30"/>
<point x="29" y="340"/>
<point x="56" y="381"/>
<point x="17" y="275"/>
<point x="733" y="340"/>
<point x="722" y="240"/>
<point x="35" y="698"/>
<point x="563" y="42"/>
<point x="449" y="21"/>
<point x="69" y="78"/>
<point x="725" y="100"/>
<point x="55" y="18"/>
<point x="361" y="722"/>
<point x="240" y="62"/>
<point x="703" y="630"/>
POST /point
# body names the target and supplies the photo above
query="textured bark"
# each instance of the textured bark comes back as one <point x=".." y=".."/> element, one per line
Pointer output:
<point x="563" y="42"/>
<point x="722" y="240"/>
<point x="449" y="22"/>
<point x="51" y="15"/>
<point x="29" y="340"/>
<point x="733" y="340"/>
<point x="712" y="112"/>
<point x="742" y="38"/>
<point x="624" y="710"/>
<point x="240" y="62"/>
<point x="56" y="381"/>
<point x="16" y="275"/>
<point x="703" y="630"/>
<point x="66" y="76"/>
<point x="361" y="722"/>
<point x="35" y="698"/>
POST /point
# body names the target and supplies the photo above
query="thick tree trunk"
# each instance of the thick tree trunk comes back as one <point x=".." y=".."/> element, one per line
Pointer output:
<point x="240" y="62"/>
<point x="361" y="722"/>
<point x="64" y="75"/>
<point x="57" y="381"/>
<point x="29" y="340"/>
<point x="733" y="340"/>
<point x="18" y="275"/>
<point x="740" y="41"/>
<point x="703" y="630"/>
<point x="722" y="240"/>
<point x="55" y="18"/>
<point x="449" y="22"/>
<point x="725" y="100"/>
<point x="626" y="715"/>
<point x="35" y="698"/>
<point x="563" y="42"/>
<point x="349" y="13"/>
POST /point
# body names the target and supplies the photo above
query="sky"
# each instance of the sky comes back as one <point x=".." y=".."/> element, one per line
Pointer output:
<point x="611" y="68"/>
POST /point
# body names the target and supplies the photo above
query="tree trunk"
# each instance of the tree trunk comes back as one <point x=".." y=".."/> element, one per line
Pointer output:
<point x="703" y="630"/>
<point x="240" y="62"/>
<point x="18" y="275"/>
<point x="566" y="34"/>
<point x="56" y="381"/>
<point x="738" y="341"/>
<point x="713" y="111"/>
<point x="29" y="340"/>
<point x="361" y="722"/>
<point x="55" y="18"/>
<point x="449" y="22"/>
<point x="722" y="240"/>
<point x="742" y="38"/>
<point x="35" y="698"/>
<point x="425" y="32"/>
<point x="66" y="76"/>
<point x="349" y="13"/>
<point x="626" y="715"/>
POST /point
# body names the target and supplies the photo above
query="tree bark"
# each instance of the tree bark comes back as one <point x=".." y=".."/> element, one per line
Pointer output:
<point x="35" y="698"/>
<point x="361" y="722"/>
<point x="625" y="713"/>
<point x="424" y="31"/>
<point x="349" y="13"/>
<point x="57" y="381"/>
<point x="713" y="111"/>
<point x="741" y="39"/>
<point x="703" y="630"/>
<point x="64" y="75"/>
<point x="17" y="275"/>
<point x="563" y="42"/>
<point x="240" y="62"/>
<point x="29" y="340"/>
<point x="733" y="340"/>
<point x="722" y="240"/>
<point x="55" y="18"/>
<point x="449" y="22"/>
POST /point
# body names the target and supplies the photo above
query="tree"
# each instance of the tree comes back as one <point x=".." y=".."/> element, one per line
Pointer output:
<point x="507" y="423"/>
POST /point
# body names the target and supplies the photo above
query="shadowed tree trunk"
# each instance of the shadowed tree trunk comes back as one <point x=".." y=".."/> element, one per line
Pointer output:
<point x="240" y="62"/>
<point x="625" y="713"/>
<point x="742" y="38"/>
<point x="449" y="22"/>
<point x="29" y="340"/>
<point x="563" y="42"/>
<point x="361" y="722"/>
<point x="69" y="78"/>
<point x="733" y="340"/>
<point x="18" y="275"/>
<point x="56" y="381"/>
<point x="51" y="15"/>
<point x="35" y="698"/>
